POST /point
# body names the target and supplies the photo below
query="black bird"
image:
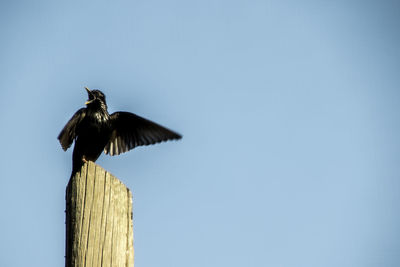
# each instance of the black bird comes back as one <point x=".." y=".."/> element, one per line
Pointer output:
<point x="94" y="131"/>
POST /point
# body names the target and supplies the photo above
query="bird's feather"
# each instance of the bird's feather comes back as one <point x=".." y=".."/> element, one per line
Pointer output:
<point x="130" y="131"/>
<point x="68" y="134"/>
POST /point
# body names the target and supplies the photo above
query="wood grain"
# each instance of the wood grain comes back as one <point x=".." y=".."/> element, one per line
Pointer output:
<point x="99" y="227"/>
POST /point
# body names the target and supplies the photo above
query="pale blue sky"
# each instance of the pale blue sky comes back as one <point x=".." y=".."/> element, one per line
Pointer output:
<point x="289" y="111"/>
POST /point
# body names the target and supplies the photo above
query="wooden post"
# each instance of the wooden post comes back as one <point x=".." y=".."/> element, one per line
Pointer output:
<point x="98" y="220"/>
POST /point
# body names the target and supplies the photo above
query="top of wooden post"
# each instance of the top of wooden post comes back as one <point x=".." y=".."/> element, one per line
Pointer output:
<point x="98" y="219"/>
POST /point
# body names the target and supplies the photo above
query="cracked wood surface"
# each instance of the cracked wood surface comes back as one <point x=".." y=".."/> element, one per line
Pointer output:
<point x="98" y="220"/>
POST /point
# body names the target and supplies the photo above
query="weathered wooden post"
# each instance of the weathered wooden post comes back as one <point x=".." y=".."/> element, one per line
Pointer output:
<point x="99" y="228"/>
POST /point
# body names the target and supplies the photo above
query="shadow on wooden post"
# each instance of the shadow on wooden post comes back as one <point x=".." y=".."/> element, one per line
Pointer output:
<point x="99" y="229"/>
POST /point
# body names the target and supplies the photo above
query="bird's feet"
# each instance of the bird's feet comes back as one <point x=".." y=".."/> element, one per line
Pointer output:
<point x="84" y="159"/>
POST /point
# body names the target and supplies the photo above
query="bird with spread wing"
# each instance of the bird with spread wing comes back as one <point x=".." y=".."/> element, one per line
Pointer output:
<point x="94" y="130"/>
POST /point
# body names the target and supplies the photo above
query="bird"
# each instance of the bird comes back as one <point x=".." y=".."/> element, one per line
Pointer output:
<point x="94" y="130"/>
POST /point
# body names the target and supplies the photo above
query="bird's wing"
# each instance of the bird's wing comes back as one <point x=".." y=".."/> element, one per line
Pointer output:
<point x="130" y="131"/>
<point x="67" y="135"/>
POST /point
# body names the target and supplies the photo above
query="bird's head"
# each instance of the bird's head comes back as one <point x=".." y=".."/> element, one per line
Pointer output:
<point x="95" y="97"/>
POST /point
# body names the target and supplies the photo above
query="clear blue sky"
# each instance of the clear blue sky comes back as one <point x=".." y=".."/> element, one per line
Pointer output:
<point x="289" y="110"/>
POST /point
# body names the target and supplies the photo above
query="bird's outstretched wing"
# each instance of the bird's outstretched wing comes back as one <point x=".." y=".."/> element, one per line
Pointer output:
<point x="67" y="135"/>
<point x="130" y="131"/>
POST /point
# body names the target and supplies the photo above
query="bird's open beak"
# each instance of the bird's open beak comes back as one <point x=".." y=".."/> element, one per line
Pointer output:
<point x="89" y="93"/>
